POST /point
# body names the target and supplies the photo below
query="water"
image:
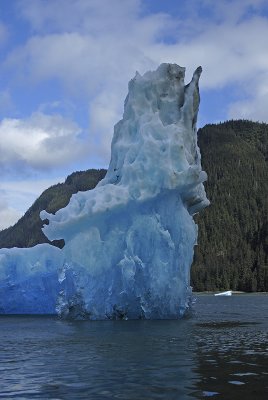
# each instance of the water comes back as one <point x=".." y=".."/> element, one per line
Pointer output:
<point x="219" y="353"/>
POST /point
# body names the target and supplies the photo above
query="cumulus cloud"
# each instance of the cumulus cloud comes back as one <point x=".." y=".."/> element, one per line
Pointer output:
<point x="93" y="44"/>
<point x="39" y="142"/>
<point x="95" y="49"/>
<point x="230" y="53"/>
<point x="93" y="52"/>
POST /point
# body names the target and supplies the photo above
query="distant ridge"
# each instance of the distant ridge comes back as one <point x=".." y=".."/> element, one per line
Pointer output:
<point x="27" y="231"/>
<point x="233" y="232"/>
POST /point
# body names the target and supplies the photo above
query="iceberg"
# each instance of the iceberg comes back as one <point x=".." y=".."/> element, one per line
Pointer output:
<point x="129" y="242"/>
<point x="29" y="279"/>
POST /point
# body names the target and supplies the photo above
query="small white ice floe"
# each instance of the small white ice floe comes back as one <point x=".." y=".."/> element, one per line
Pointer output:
<point x="236" y="382"/>
<point x="245" y="374"/>
<point x="206" y="393"/>
<point x="227" y="293"/>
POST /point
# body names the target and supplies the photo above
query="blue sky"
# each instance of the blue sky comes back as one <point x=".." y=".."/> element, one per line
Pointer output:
<point x="65" y="66"/>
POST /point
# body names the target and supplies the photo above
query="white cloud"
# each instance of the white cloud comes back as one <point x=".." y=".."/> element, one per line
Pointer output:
<point x="229" y="53"/>
<point x="39" y="142"/>
<point x="27" y="188"/>
<point x="96" y="70"/>
<point x="79" y="15"/>
<point x="97" y="47"/>
<point x="84" y="64"/>
<point x="204" y="11"/>
<point x="92" y="48"/>
<point x="254" y="109"/>
<point x="17" y="196"/>
<point x="104" y="111"/>
<point x="8" y="215"/>
<point x="254" y="106"/>
<point x="232" y="54"/>
<point x="93" y="52"/>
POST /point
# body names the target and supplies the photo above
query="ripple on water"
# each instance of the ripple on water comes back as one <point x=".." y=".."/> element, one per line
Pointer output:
<point x="214" y="355"/>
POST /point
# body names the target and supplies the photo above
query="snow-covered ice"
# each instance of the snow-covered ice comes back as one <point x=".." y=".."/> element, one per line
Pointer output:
<point x="129" y="242"/>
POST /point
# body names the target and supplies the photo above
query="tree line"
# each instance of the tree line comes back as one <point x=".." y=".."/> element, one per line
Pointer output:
<point x="233" y="231"/>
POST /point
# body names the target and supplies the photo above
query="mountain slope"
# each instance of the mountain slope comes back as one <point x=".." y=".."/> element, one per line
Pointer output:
<point x="233" y="231"/>
<point x="27" y="231"/>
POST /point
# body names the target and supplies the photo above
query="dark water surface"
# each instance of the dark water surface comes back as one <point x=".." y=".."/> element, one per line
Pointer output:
<point x="219" y="353"/>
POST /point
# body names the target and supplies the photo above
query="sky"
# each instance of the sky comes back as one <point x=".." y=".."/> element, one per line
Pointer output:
<point x="65" y="67"/>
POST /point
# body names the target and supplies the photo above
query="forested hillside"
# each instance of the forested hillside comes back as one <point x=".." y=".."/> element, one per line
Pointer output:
<point x="233" y="232"/>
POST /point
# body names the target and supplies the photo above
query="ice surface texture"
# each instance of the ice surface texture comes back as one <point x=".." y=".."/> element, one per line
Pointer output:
<point x="129" y="242"/>
<point x="29" y="279"/>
